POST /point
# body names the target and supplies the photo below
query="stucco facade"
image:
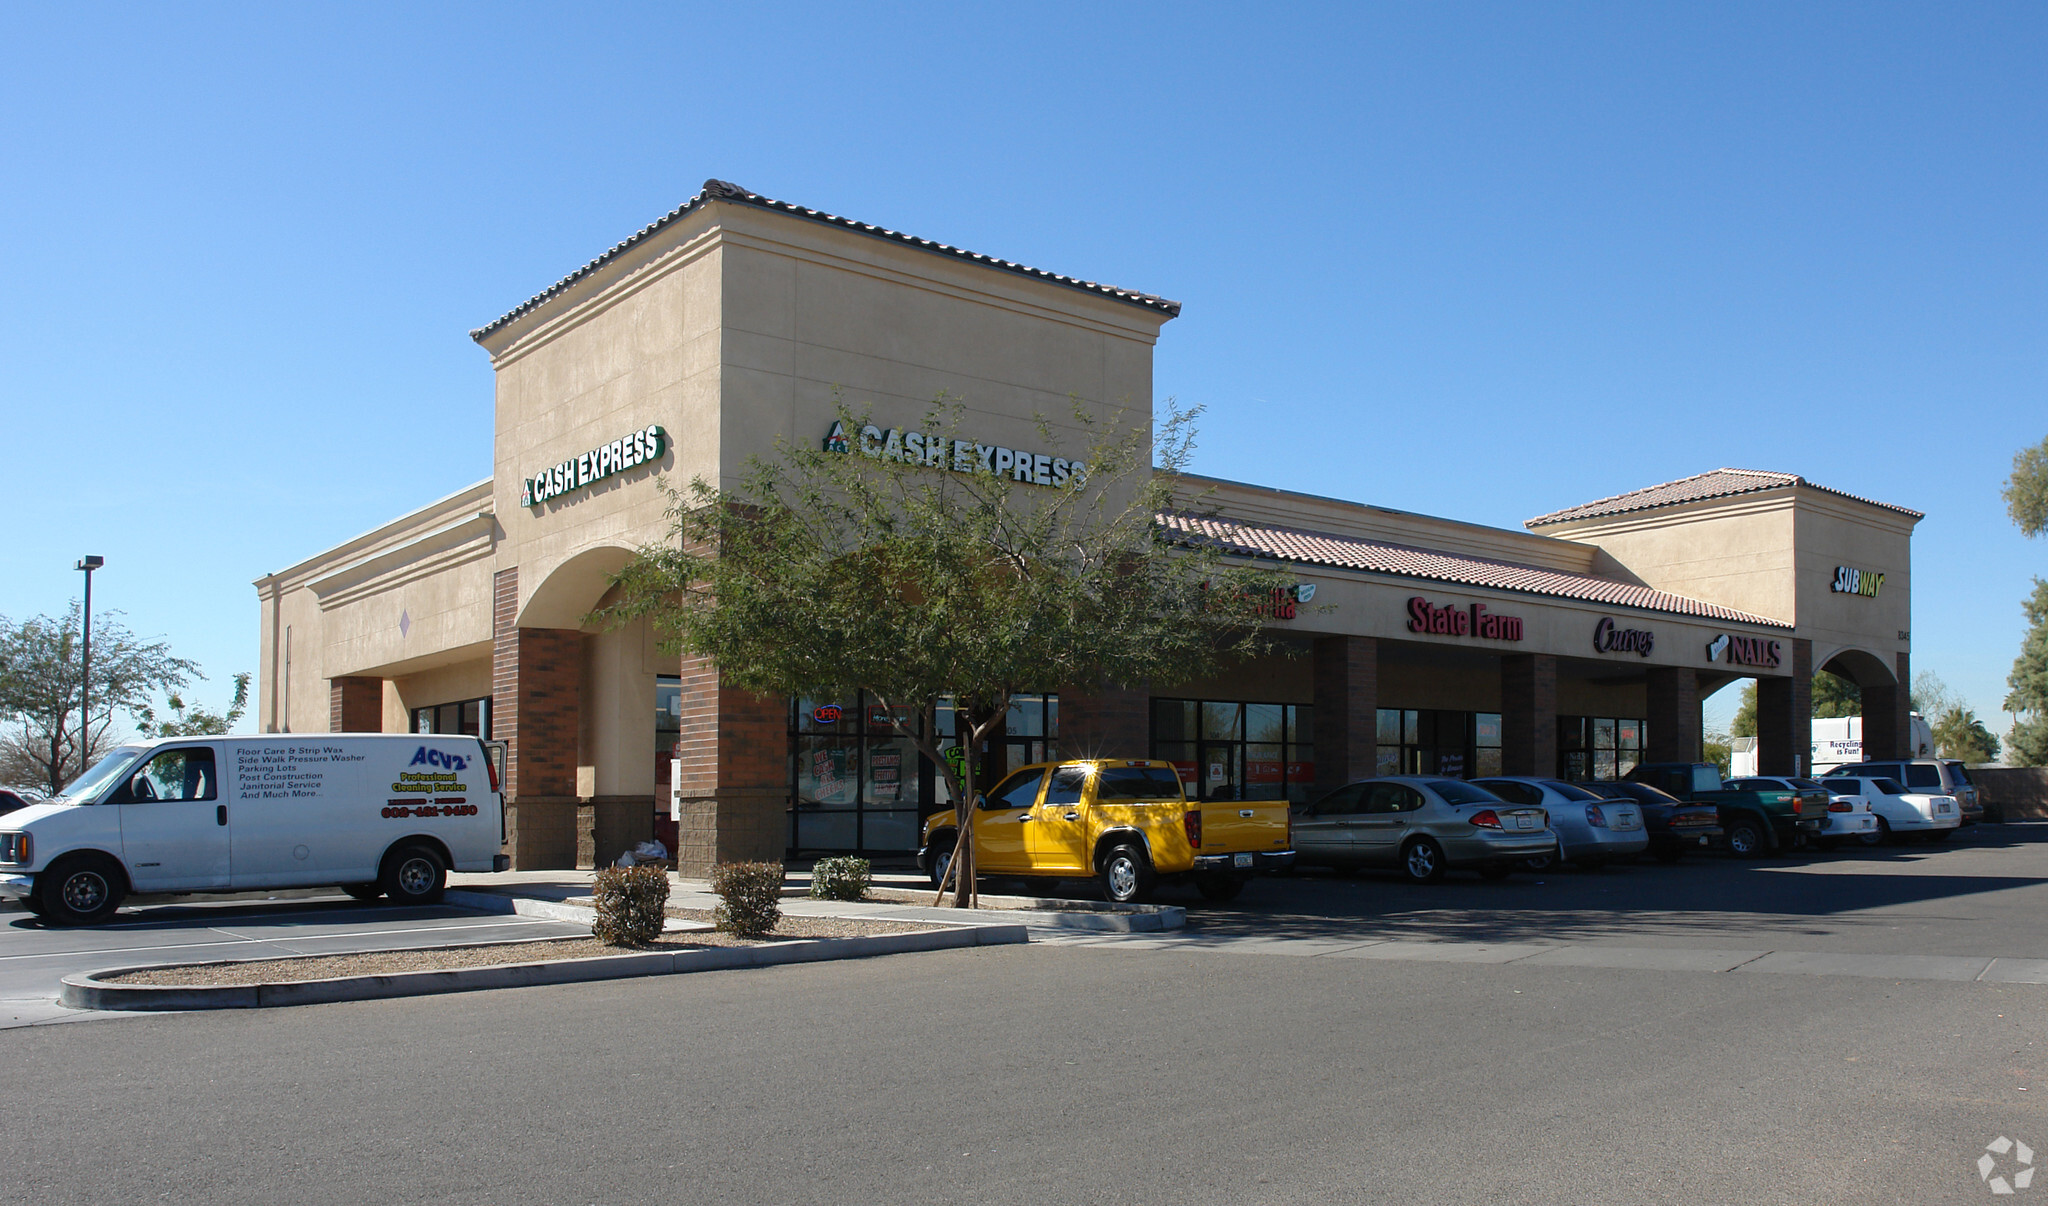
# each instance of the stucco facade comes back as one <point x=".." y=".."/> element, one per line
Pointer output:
<point x="737" y="322"/>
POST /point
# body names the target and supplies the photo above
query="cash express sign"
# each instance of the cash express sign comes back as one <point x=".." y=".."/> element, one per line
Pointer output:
<point x="626" y="452"/>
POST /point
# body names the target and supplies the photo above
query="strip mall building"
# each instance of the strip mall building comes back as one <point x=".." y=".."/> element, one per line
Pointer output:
<point x="1575" y="647"/>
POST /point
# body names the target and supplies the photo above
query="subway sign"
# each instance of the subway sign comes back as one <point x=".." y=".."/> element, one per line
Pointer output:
<point x="934" y="451"/>
<point x="626" y="452"/>
<point x="1852" y="581"/>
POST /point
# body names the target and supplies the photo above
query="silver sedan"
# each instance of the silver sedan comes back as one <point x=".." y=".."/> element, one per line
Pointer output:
<point x="1422" y="825"/>
<point x="1591" y="830"/>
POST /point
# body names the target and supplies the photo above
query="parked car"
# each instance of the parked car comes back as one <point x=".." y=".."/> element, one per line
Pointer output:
<point x="1934" y="776"/>
<point x="1592" y="830"/>
<point x="1848" y="817"/>
<point x="1755" y="822"/>
<point x="1425" y="826"/>
<point x="1127" y="824"/>
<point x="1675" y="826"/>
<point x="11" y="800"/>
<point x="1901" y="813"/>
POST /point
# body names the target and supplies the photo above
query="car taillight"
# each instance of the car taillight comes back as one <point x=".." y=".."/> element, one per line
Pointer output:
<point x="1486" y="818"/>
<point x="1842" y="806"/>
<point x="1796" y="806"/>
<point x="493" y="768"/>
<point x="1595" y="817"/>
<point x="1192" y="818"/>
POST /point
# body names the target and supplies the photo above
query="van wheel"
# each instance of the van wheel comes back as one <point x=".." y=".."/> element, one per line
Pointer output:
<point x="1219" y="889"/>
<point x="1126" y="875"/>
<point x="363" y="891"/>
<point x="1423" y="861"/>
<point x="80" y="889"/>
<point x="413" y="875"/>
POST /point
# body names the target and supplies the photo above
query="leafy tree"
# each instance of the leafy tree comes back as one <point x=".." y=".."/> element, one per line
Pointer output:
<point x="1744" y="724"/>
<point x="2026" y="491"/>
<point x="1959" y="734"/>
<point x="2027" y="743"/>
<point x="857" y="567"/>
<point x="40" y="676"/>
<point x="1835" y="696"/>
<point x="198" y="722"/>
<point x="1932" y="697"/>
<point x="1720" y="750"/>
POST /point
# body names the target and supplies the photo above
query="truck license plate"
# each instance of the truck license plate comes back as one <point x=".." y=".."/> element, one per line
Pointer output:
<point x="1244" y="860"/>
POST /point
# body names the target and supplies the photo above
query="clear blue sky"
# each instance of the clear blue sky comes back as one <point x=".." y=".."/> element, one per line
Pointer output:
<point x="1481" y="262"/>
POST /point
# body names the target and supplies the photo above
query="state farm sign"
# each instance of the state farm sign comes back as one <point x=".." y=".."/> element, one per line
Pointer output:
<point x="1454" y="620"/>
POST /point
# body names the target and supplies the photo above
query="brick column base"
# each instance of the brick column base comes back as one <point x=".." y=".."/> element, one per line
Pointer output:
<point x="736" y="825"/>
<point x="608" y="826"/>
<point x="540" y="833"/>
<point x="355" y="705"/>
<point x="1673" y="714"/>
<point x="1528" y="714"/>
<point x="1347" y="691"/>
<point x="1784" y="716"/>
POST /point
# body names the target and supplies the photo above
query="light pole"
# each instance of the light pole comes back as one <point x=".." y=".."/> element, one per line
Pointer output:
<point x="88" y="564"/>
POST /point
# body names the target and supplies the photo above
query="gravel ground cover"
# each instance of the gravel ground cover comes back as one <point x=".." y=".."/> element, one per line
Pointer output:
<point x="381" y="963"/>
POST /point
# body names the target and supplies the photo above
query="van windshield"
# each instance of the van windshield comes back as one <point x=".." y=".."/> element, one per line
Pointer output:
<point x="103" y="773"/>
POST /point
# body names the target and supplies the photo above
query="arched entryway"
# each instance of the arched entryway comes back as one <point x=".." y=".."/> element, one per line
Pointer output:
<point x="1887" y="732"/>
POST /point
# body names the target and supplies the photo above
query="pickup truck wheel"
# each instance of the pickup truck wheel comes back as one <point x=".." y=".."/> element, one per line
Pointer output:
<point x="80" y="889"/>
<point x="942" y="858"/>
<point x="1423" y="861"/>
<point x="1126" y="875"/>
<point x="413" y="875"/>
<point x="1746" y="839"/>
<point x="1218" y="889"/>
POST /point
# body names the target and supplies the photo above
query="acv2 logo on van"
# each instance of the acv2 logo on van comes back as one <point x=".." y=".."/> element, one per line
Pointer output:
<point x="427" y="757"/>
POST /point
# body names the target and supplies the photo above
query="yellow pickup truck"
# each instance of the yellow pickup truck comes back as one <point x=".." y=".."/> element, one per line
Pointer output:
<point x="1125" y="824"/>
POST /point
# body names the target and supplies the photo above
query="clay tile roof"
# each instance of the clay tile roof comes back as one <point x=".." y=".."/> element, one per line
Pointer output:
<point x="1351" y="552"/>
<point x="1720" y="483"/>
<point x="722" y="190"/>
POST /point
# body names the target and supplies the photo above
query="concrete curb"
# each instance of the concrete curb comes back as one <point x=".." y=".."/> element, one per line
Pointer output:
<point x="87" y="991"/>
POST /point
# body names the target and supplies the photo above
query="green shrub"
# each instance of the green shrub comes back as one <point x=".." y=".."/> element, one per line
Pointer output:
<point x="752" y="893"/>
<point x="841" y="878"/>
<point x="631" y="904"/>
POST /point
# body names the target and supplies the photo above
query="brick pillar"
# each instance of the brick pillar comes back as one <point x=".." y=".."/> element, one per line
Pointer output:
<point x="1347" y="700"/>
<point x="1528" y="714"/>
<point x="355" y="705"/>
<point x="1887" y="728"/>
<point x="732" y="789"/>
<point x="1105" y="722"/>
<point x="1784" y="716"/>
<point x="1673" y="714"/>
<point x="536" y="705"/>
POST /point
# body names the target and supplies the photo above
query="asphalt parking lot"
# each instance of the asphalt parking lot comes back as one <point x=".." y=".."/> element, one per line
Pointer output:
<point x="34" y="957"/>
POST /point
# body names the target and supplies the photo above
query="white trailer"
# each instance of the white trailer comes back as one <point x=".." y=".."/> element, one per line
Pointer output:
<point x="1837" y="741"/>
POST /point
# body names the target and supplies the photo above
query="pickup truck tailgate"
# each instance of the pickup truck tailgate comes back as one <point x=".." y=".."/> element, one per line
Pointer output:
<point x="1229" y="826"/>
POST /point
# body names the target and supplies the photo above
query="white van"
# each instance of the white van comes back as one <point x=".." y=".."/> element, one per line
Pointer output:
<point x="378" y="815"/>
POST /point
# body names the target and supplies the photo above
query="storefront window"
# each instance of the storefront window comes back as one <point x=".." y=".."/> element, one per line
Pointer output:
<point x="1237" y="751"/>
<point x="1598" y="747"/>
<point x="668" y="728"/>
<point x="470" y="717"/>
<point x="860" y="785"/>
<point x="1455" y="745"/>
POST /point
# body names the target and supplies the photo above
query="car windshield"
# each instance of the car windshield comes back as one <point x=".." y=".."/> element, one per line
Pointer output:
<point x="1138" y="783"/>
<point x="1806" y="785"/>
<point x="1889" y="787"/>
<point x="1454" y="791"/>
<point x="1570" y="791"/>
<point x="1961" y="773"/>
<point x="1649" y="794"/>
<point x="104" y="772"/>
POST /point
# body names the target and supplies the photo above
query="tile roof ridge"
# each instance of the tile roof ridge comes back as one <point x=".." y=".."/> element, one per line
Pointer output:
<point x="1377" y="543"/>
<point x="715" y="189"/>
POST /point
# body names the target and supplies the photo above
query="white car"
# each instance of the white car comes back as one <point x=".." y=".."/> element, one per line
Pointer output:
<point x="1849" y="817"/>
<point x="1900" y="813"/>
